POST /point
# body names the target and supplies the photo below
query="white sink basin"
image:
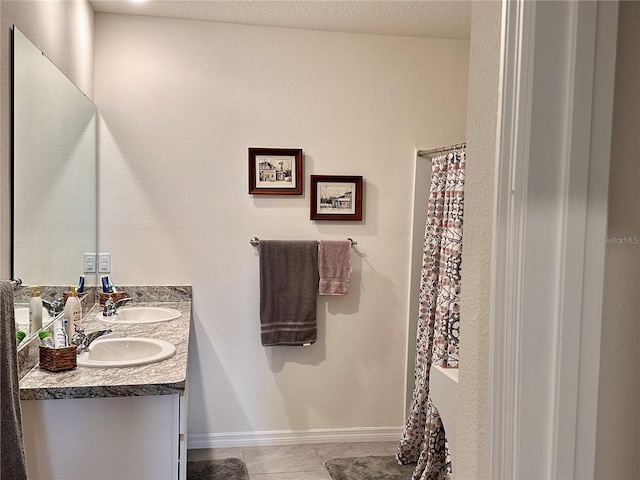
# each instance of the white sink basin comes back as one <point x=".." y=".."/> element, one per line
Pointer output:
<point x="125" y="352"/>
<point x="22" y="317"/>
<point x="135" y="315"/>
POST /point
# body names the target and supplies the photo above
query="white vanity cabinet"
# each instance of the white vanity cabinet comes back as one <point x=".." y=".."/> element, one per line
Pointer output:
<point x="111" y="423"/>
<point x="140" y="437"/>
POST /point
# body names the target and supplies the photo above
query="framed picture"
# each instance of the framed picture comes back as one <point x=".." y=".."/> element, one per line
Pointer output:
<point x="336" y="197"/>
<point x="275" y="171"/>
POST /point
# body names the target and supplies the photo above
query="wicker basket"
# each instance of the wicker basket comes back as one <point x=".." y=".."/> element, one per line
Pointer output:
<point x="113" y="296"/>
<point x="57" y="359"/>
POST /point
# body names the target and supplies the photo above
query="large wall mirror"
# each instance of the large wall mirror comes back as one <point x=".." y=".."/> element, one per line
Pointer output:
<point x="54" y="162"/>
<point x="54" y="171"/>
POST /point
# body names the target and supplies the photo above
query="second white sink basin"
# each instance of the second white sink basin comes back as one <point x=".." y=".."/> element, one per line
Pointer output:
<point x="135" y="315"/>
<point x="22" y="318"/>
<point x="125" y="352"/>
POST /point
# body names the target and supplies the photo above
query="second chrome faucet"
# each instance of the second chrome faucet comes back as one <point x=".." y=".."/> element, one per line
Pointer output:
<point x="111" y="308"/>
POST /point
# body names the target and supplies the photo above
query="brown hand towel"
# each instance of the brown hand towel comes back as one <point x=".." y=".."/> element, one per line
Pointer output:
<point x="334" y="259"/>
<point x="13" y="464"/>
<point x="288" y="292"/>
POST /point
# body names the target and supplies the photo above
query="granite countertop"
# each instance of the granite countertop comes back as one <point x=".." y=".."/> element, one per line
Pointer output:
<point x="161" y="378"/>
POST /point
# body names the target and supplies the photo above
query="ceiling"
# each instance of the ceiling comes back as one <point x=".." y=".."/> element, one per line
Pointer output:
<point x="421" y="18"/>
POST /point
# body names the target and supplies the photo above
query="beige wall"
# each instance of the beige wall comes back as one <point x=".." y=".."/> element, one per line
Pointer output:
<point x="473" y="394"/>
<point x="618" y="428"/>
<point x="64" y="32"/>
<point x="361" y="343"/>
<point x="181" y="102"/>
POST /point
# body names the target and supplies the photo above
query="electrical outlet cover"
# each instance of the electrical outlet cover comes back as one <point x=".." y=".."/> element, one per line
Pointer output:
<point x="104" y="262"/>
<point x="89" y="263"/>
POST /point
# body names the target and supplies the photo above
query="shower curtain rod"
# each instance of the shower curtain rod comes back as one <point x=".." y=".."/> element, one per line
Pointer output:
<point x="423" y="153"/>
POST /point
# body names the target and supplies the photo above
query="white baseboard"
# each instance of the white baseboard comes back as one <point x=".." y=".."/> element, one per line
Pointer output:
<point x="288" y="437"/>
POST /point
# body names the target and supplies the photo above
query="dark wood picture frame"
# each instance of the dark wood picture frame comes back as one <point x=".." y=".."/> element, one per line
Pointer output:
<point x="275" y="171"/>
<point x="336" y="197"/>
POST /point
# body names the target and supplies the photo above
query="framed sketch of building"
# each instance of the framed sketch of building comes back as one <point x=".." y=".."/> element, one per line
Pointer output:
<point x="336" y="197"/>
<point x="275" y="171"/>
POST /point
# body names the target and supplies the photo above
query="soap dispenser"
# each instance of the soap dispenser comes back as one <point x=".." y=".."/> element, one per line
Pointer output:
<point x="35" y="310"/>
<point x="72" y="315"/>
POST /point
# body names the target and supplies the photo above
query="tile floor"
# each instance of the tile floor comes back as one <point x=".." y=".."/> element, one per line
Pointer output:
<point x="293" y="462"/>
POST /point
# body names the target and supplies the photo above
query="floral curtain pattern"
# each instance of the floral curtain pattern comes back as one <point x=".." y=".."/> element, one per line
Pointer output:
<point x="423" y="441"/>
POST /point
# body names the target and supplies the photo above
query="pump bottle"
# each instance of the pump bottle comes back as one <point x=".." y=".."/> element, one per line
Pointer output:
<point x="35" y="310"/>
<point x="72" y="315"/>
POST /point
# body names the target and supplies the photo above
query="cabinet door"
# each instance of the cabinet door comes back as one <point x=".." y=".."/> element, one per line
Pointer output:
<point x="102" y="438"/>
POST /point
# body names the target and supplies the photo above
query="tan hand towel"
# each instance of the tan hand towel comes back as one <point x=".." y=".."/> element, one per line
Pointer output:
<point x="334" y="266"/>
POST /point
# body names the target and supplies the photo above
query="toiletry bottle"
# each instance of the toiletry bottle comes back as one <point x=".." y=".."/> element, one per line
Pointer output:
<point x="106" y="287"/>
<point x="46" y="339"/>
<point x="35" y="310"/>
<point x="20" y="336"/>
<point x="59" y="335"/>
<point x="72" y="315"/>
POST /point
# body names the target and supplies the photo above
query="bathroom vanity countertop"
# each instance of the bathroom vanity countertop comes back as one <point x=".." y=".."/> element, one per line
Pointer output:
<point x="161" y="378"/>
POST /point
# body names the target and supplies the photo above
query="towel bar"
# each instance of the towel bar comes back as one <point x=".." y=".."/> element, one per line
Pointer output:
<point x="255" y="241"/>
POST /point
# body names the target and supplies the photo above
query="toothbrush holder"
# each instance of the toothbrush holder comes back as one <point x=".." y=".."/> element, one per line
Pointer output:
<point x="58" y="359"/>
<point x="113" y="296"/>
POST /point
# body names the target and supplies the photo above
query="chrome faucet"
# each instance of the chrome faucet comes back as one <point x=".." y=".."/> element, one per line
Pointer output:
<point x="54" y="307"/>
<point x="111" y="307"/>
<point x="83" y="340"/>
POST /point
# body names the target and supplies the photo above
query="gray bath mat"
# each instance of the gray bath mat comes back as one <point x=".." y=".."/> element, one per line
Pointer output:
<point x="368" y="468"/>
<point x="224" y="469"/>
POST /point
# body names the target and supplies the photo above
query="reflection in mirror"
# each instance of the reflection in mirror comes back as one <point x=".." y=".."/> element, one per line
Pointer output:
<point x="54" y="171"/>
<point x="22" y="318"/>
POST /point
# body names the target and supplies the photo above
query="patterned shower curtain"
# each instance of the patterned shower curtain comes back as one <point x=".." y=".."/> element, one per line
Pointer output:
<point x="423" y="440"/>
